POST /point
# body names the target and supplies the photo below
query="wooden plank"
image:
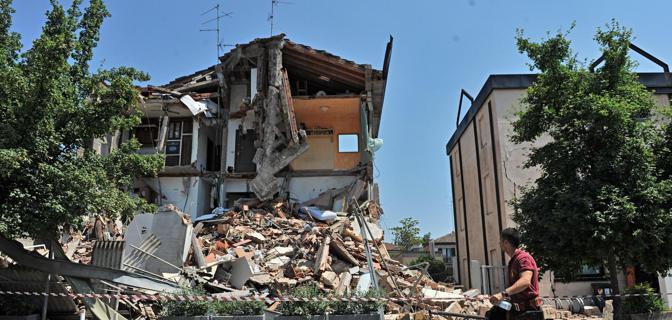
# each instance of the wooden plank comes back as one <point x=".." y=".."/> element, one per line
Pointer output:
<point x="342" y="252"/>
<point x="322" y="254"/>
<point x="289" y="104"/>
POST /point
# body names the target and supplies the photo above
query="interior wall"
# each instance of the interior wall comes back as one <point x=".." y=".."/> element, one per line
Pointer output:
<point x="307" y="188"/>
<point x="175" y="190"/>
<point x="238" y="93"/>
<point x="203" y="205"/>
<point x="319" y="156"/>
<point x="339" y="114"/>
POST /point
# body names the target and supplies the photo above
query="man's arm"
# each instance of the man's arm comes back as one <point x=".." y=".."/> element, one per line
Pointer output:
<point x="523" y="283"/>
<point x="519" y="286"/>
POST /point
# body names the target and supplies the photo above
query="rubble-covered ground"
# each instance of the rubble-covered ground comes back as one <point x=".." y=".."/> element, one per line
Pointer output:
<point x="266" y="250"/>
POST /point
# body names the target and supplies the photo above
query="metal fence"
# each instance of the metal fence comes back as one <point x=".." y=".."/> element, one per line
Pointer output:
<point x="493" y="279"/>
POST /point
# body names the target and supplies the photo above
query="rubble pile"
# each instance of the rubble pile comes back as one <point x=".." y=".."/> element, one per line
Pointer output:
<point x="268" y="251"/>
<point x="262" y="249"/>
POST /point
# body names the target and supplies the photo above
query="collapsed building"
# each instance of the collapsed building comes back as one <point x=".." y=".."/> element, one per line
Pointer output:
<point x="273" y="118"/>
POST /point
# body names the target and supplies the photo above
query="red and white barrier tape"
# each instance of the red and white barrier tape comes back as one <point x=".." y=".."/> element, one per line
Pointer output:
<point x="269" y="300"/>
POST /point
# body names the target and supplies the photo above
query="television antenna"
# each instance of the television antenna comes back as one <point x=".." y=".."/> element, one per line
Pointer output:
<point x="271" y="17"/>
<point x="218" y="17"/>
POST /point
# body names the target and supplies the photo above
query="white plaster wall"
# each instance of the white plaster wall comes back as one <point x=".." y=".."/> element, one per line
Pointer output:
<point x="203" y="205"/>
<point x="238" y="93"/>
<point x="666" y="288"/>
<point x="175" y="190"/>
<point x="236" y="185"/>
<point x="307" y="188"/>
<point x="575" y="288"/>
<point x="300" y="188"/>
<point x="513" y="156"/>
<point x="231" y="142"/>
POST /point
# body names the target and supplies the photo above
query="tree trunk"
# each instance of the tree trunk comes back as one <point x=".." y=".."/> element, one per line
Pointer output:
<point x="613" y="277"/>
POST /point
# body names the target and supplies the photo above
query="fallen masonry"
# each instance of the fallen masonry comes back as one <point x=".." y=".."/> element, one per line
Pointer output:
<point x="261" y="251"/>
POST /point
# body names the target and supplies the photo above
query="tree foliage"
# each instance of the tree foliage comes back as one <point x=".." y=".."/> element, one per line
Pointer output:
<point x="437" y="269"/>
<point x="51" y="108"/>
<point x="604" y="193"/>
<point x="407" y="234"/>
<point x="644" y="300"/>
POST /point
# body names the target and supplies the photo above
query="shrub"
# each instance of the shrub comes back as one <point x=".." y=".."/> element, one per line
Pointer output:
<point x="334" y="307"/>
<point x="186" y="308"/>
<point x="350" y="307"/>
<point x="303" y="308"/>
<point x="203" y="308"/>
<point x="648" y="303"/>
<point x="238" y="308"/>
<point x="437" y="269"/>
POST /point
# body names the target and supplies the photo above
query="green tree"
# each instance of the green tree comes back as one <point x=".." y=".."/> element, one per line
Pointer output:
<point x="437" y="269"/>
<point x="51" y="108"/>
<point x="426" y="238"/>
<point x="406" y="235"/>
<point x="602" y="197"/>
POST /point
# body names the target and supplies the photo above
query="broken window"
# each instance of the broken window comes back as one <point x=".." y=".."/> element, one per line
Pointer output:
<point x="348" y="143"/>
<point x="178" y="142"/>
<point x="147" y="132"/>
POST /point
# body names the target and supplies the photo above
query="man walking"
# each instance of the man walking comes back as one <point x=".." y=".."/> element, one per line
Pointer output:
<point x="523" y="290"/>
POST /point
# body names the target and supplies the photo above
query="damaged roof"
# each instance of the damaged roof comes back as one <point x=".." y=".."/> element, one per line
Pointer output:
<point x="294" y="55"/>
<point x="325" y="71"/>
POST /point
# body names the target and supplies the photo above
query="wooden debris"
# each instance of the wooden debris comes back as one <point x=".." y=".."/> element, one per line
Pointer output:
<point x="322" y="255"/>
<point x="342" y="252"/>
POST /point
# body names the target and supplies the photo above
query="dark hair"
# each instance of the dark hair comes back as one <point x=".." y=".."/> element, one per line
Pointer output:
<point x="512" y="236"/>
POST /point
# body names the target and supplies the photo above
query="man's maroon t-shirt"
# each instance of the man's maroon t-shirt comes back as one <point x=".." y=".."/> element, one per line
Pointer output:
<point x="523" y="261"/>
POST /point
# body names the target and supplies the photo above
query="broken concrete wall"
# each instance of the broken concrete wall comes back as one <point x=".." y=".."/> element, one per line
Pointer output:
<point x="301" y="189"/>
<point x="276" y="148"/>
<point x="172" y="228"/>
<point x="189" y="194"/>
<point x="307" y="188"/>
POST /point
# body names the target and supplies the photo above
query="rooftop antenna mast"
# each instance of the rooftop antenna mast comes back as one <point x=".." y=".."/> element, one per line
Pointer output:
<point x="217" y="18"/>
<point x="271" y="17"/>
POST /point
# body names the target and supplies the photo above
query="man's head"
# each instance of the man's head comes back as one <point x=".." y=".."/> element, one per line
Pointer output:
<point x="510" y="240"/>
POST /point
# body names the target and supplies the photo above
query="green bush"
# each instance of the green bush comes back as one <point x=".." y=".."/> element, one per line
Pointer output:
<point x="333" y="307"/>
<point x="342" y="307"/>
<point x="648" y="303"/>
<point x="437" y="269"/>
<point x="203" y="308"/>
<point x="17" y="306"/>
<point x="303" y="308"/>
<point x="238" y="308"/>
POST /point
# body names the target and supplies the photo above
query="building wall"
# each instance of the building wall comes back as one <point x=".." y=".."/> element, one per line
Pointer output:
<point x="204" y="196"/>
<point x="462" y="228"/>
<point x="238" y="93"/>
<point x="336" y="113"/>
<point x="666" y="289"/>
<point x="175" y="190"/>
<point x="506" y="103"/>
<point x="300" y="188"/>
<point x="307" y="188"/>
<point x="473" y="218"/>
<point x="501" y="172"/>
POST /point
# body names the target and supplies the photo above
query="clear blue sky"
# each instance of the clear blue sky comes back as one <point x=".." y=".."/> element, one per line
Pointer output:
<point x="440" y="47"/>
